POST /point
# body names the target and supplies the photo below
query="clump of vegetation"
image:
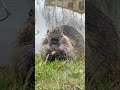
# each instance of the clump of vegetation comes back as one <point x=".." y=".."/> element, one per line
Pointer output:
<point x="56" y="75"/>
<point x="10" y="81"/>
<point x="59" y="75"/>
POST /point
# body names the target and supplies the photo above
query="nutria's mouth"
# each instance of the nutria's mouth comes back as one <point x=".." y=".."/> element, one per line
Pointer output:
<point x="54" y="54"/>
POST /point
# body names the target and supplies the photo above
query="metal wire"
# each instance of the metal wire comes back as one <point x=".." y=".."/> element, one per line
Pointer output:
<point x="7" y="13"/>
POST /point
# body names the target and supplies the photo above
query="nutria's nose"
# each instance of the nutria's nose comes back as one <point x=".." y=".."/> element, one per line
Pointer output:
<point x="54" y="41"/>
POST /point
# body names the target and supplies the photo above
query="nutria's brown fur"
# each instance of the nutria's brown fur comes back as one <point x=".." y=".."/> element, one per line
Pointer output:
<point x="68" y="36"/>
<point x="101" y="46"/>
<point x="24" y="59"/>
<point x="101" y="39"/>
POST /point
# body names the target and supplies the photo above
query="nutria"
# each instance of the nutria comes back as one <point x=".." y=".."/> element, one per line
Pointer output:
<point x="101" y="44"/>
<point x="24" y="58"/>
<point x="63" y="42"/>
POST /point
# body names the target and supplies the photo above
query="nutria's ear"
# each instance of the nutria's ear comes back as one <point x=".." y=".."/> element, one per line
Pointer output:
<point x="61" y="30"/>
<point x="48" y="31"/>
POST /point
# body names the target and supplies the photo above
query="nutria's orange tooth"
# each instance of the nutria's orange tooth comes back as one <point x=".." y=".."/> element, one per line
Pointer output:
<point x="53" y="52"/>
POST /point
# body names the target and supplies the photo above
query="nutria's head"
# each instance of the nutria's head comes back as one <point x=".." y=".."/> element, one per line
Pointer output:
<point x="56" y="45"/>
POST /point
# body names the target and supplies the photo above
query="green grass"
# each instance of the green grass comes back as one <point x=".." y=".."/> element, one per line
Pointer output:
<point x="59" y="75"/>
<point x="56" y="75"/>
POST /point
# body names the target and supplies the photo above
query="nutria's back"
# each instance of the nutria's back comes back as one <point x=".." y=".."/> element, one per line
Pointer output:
<point x="75" y="37"/>
<point x="72" y="33"/>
